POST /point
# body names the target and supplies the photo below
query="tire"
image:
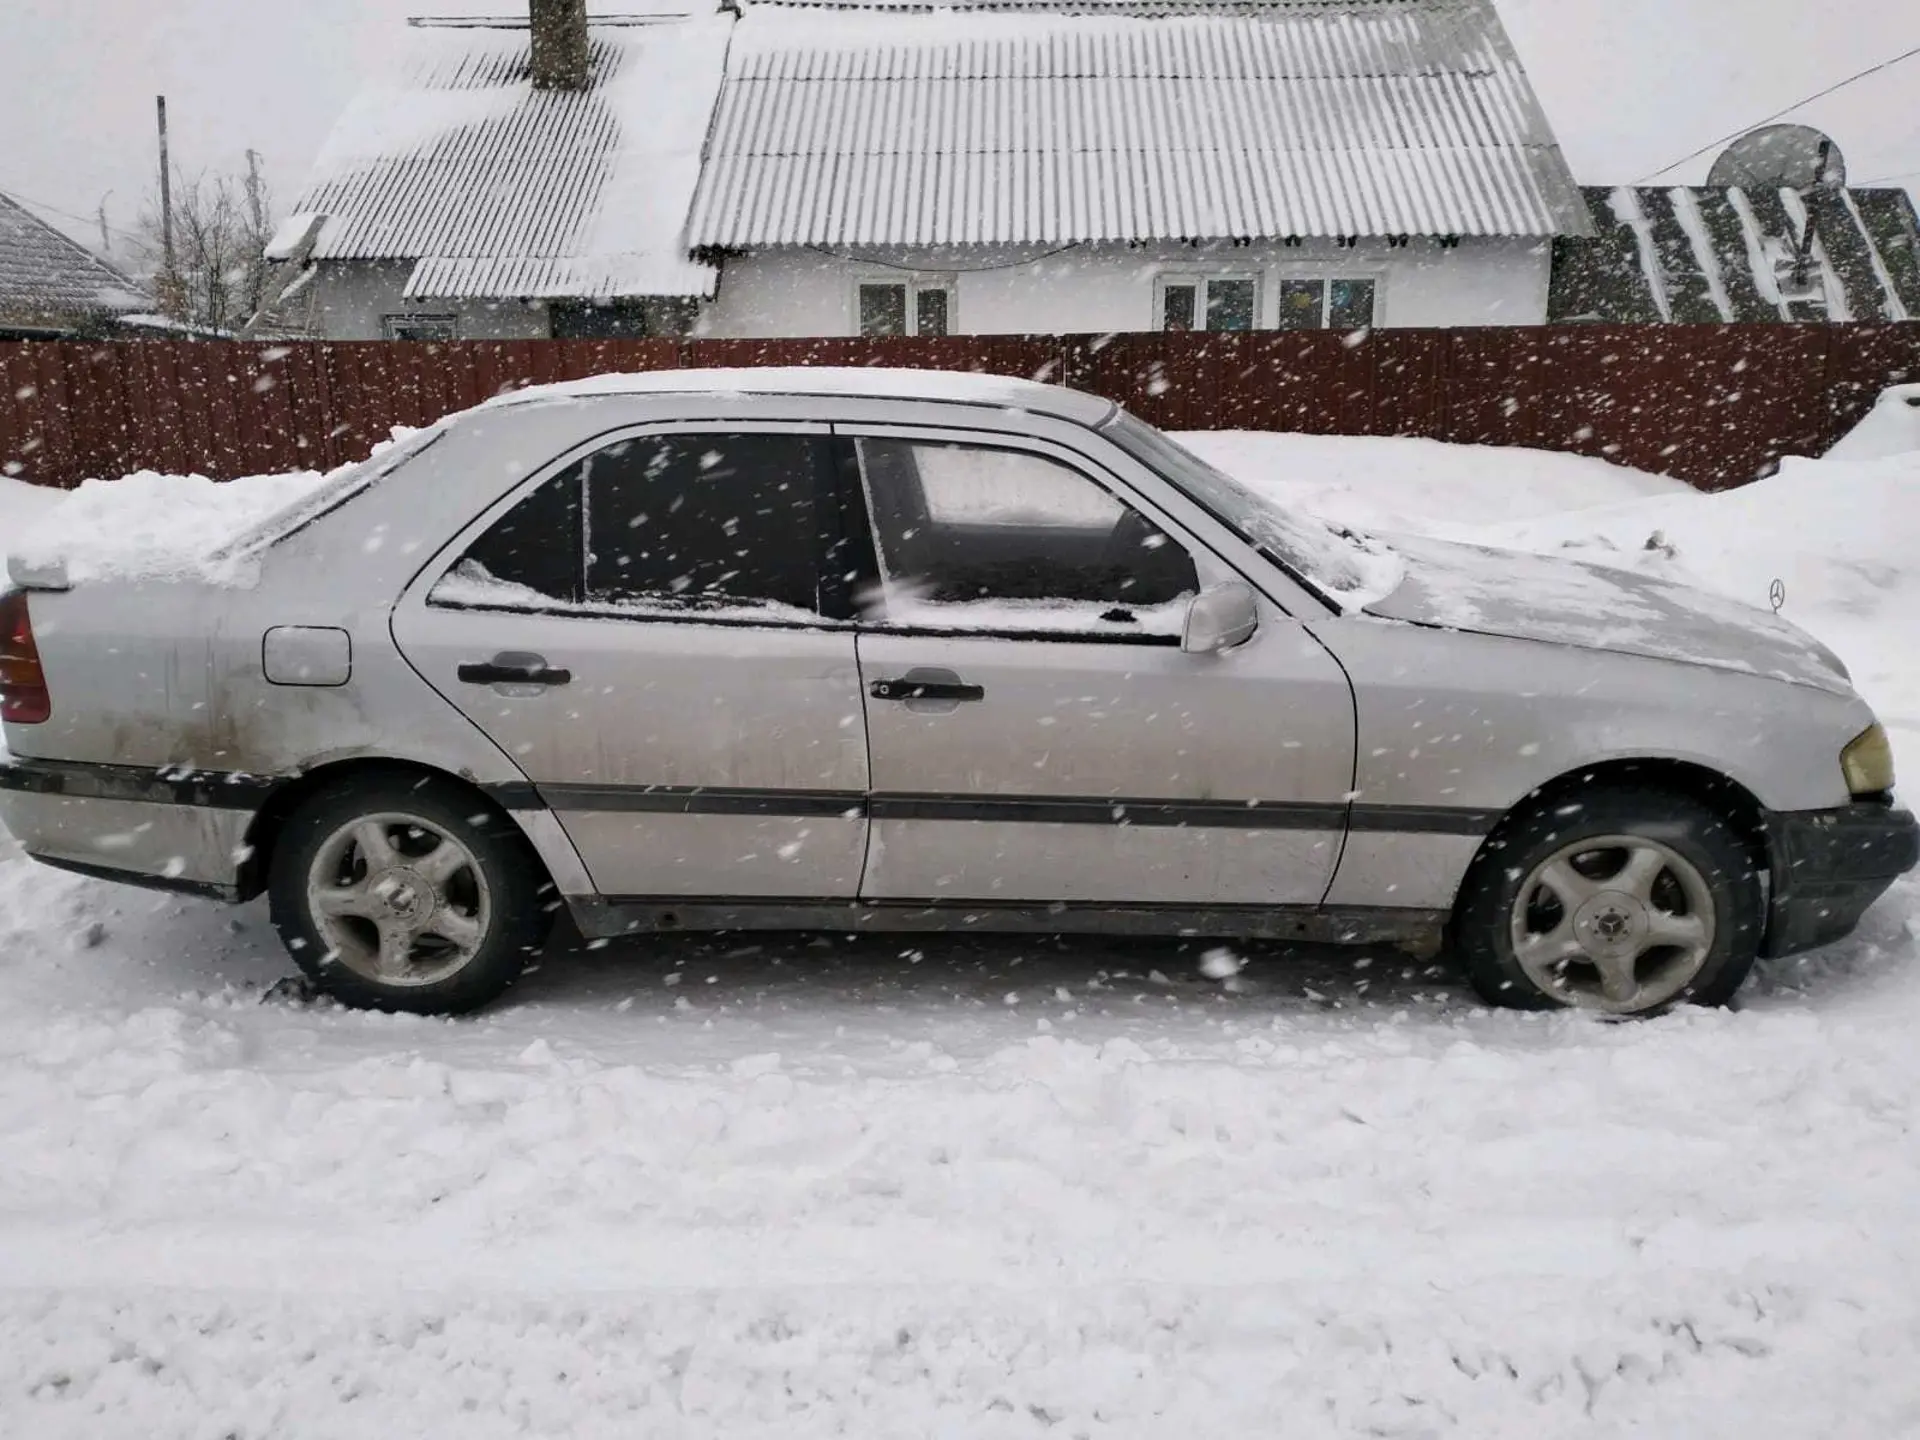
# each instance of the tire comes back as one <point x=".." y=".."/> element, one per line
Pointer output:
<point x="1620" y="900"/>
<point x="438" y="922"/>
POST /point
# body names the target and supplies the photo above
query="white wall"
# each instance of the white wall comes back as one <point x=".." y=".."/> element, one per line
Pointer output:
<point x="350" y="300"/>
<point x="1111" y="287"/>
<point x="1085" y="289"/>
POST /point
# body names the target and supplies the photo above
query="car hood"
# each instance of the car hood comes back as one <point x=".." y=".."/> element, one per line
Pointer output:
<point x="1565" y="602"/>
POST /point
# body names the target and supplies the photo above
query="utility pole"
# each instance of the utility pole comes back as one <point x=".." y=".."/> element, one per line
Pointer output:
<point x="166" y="190"/>
<point x="256" y="197"/>
<point x="106" y="240"/>
<point x="169" y="289"/>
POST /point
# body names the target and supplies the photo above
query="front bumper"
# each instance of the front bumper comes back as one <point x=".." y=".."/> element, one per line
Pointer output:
<point x="1829" y="866"/>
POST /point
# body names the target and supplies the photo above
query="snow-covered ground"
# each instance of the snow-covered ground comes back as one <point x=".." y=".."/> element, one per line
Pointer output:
<point x="995" y="1188"/>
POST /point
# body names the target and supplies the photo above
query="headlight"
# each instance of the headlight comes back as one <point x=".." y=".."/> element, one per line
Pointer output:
<point x="1867" y="762"/>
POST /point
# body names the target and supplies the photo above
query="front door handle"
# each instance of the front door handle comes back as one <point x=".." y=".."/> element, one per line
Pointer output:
<point x="513" y="667"/>
<point x="910" y="689"/>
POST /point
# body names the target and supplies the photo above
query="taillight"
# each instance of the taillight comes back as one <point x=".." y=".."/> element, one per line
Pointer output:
<point x="23" y="684"/>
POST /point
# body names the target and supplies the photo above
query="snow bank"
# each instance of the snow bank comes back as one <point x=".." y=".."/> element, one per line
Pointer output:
<point x="1892" y="427"/>
<point x="1424" y="486"/>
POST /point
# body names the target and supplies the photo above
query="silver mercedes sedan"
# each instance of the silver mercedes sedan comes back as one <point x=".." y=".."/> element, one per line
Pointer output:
<point x="887" y="650"/>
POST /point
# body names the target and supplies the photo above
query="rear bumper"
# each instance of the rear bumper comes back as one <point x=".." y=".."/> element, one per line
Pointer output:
<point x="124" y="824"/>
<point x="1829" y="866"/>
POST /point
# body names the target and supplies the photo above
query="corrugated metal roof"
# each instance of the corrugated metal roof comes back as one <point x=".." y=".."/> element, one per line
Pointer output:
<point x="454" y="157"/>
<point x="46" y="278"/>
<point x="1311" y="118"/>
<point x="1704" y="255"/>
<point x="596" y="277"/>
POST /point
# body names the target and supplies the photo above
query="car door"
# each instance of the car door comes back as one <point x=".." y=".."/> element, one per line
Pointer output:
<point x="645" y="631"/>
<point x="1036" y="732"/>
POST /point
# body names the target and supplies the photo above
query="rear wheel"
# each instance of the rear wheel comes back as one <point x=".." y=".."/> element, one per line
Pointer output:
<point x="406" y="894"/>
<point x="1621" y="901"/>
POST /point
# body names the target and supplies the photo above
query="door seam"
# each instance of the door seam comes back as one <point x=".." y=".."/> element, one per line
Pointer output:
<point x="866" y="740"/>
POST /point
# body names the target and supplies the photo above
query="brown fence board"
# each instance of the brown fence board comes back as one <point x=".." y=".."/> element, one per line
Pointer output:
<point x="1713" y="404"/>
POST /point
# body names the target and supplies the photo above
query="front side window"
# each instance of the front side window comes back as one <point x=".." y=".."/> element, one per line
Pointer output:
<point x="905" y="307"/>
<point x="976" y="537"/>
<point x="697" y="524"/>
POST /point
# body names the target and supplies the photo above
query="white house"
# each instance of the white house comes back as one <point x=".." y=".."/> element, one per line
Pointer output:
<point x="511" y="180"/>
<point x="874" y="167"/>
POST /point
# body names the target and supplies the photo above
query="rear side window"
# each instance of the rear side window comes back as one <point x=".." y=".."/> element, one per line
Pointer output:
<point x="705" y="518"/>
<point x="719" y="524"/>
<point x="536" y="545"/>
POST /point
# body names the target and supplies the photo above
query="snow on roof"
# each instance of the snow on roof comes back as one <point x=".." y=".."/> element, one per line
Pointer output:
<point x="1085" y="122"/>
<point x="1705" y="255"/>
<point x="452" y="159"/>
<point x="852" y="382"/>
<point x="47" y="278"/>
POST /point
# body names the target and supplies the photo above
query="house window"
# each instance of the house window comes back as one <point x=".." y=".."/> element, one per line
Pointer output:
<point x="421" y="327"/>
<point x="620" y="319"/>
<point x="1209" y="302"/>
<point x="1343" y="304"/>
<point x="1349" y="304"/>
<point x="906" y="307"/>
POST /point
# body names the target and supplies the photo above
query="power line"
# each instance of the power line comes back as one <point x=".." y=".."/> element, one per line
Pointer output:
<point x="1778" y="114"/>
<point x="91" y="221"/>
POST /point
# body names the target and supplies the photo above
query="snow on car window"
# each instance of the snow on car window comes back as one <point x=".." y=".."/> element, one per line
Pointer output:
<point x="967" y="485"/>
<point x="1349" y="569"/>
<point x="470" y="584"/>
<point x="1041" y="617"/>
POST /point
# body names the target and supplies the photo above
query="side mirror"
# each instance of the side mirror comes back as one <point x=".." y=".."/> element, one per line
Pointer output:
<point x="1220" y="617"/>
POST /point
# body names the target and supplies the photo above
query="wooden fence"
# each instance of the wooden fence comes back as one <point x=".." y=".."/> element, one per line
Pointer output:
<point x="1714" y="405"/>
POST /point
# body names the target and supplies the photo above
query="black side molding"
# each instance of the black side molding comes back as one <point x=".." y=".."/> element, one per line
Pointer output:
<point x="172" y="885"/>
<point x="209" y="789"/>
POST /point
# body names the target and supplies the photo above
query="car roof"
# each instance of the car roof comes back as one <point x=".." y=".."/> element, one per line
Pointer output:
<point x="953" y="387"/>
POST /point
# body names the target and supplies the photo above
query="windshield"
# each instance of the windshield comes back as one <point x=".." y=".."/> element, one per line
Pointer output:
<point x="1344" y="568"/>
<point x="333" y="491"/>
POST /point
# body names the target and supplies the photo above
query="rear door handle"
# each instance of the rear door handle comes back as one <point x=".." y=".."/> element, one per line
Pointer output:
<point x="910" y="689"/>
<point x="513" y="667"/>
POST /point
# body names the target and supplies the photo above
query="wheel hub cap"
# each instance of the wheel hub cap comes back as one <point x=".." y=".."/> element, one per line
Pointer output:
<point x="1611" y="924"/>
<point x="404" y="895"/>
<point x="398" y="899"/>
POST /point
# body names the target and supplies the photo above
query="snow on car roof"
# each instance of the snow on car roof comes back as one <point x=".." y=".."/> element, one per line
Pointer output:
<point x="851" y="382"/>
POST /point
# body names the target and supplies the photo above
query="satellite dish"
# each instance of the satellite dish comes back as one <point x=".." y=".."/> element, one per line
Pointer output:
<point x="1781" y="157"/>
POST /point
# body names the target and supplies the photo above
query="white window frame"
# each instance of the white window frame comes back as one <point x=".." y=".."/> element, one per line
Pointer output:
<point x="395" y="320"/>
<point x="1327" y="274"/>
<point x="1199" y="280"/>
<point x="914" y="282"/>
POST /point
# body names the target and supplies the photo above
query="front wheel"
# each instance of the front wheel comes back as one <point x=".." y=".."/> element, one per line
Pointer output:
<point x="1623" y="901"/>
<point x="403" y="893"/>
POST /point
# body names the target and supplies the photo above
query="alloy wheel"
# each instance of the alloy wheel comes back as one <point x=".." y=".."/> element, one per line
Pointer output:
<point x="1618" y="923"/>
<point x="398" y="899"/>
